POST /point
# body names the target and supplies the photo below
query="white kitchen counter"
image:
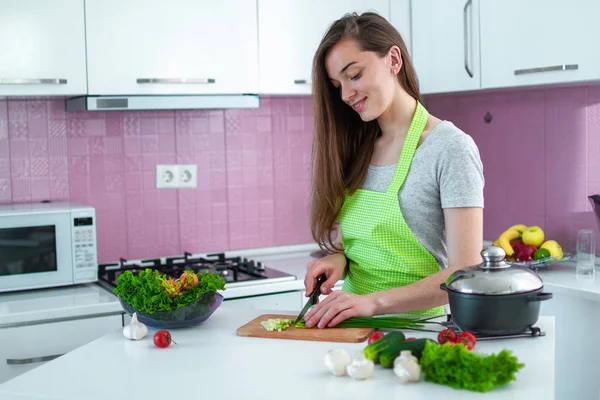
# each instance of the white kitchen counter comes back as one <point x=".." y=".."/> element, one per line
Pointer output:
<point x="210" y="361"/>
<point x="44" y="305"/>
<point x="563" y="279"/>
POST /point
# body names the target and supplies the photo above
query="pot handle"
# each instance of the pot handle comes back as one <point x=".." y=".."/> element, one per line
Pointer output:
<point x="443" y="287"/>
<point x="540" y="296"/>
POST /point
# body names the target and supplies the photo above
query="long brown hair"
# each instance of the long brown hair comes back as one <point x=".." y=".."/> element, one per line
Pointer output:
<point x="343" y="143"/>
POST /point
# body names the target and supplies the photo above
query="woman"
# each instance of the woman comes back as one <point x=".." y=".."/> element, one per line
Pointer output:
<point x="402" y="188"/>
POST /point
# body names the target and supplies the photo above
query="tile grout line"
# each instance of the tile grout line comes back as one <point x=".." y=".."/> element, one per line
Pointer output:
<point x="273" y="177"/>
<point x="177" y="200"/>
<point x="12" y="191"/>
<point x="123" y="165"/>
<point x="587" y="145"/>
<point x="227" y="200"/>
<point x="49" y="173"/>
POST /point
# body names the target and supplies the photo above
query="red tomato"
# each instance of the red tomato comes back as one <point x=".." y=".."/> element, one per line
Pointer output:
<point x="375" y="336"/>
<point x="162" y="339"/>
<point x="468" y="339"/>
<point x="188" y="281"/>
<point x="410" y="338"/>
<point x="447" y="335"/>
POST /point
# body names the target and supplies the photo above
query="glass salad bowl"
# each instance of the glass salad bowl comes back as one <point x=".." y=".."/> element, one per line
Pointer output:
<point x="192" y="314"/>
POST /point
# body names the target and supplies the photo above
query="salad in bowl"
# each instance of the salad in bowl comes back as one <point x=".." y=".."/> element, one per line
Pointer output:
<point x="164" y="302"/>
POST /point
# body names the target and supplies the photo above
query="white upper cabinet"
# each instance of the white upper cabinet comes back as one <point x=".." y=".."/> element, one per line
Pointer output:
<point x="445" y="43"/>
<point x="42" y="47"/>
<point x="539" y="42"/>
<point x="289" y="33"/>
<point x="400" y="18"/>
<point x="172" y="47"/>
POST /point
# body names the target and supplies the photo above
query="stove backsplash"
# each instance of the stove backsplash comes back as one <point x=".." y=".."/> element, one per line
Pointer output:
<point x="253" y="173"/>
<point x="540" y="154"/>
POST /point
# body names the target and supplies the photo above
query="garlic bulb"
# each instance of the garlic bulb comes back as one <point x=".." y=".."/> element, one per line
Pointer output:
<point x="407" y="368"/>
<point x="135" y="330"/>
<point x="360" y="368"/>
<point x="336" y="361"/>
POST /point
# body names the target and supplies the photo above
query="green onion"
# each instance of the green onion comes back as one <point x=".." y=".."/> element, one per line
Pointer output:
<point x="416" y="323"/>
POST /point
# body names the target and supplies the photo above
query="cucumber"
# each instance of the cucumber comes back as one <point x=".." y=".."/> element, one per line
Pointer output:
<point x="416" y="347"/>
<point x="391" y="341"/>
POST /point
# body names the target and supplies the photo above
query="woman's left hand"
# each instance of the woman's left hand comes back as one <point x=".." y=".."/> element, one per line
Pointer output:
<point x="339" y="306"/>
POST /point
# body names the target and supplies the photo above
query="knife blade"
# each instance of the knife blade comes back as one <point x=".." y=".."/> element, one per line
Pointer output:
<point x="312" y="298"/>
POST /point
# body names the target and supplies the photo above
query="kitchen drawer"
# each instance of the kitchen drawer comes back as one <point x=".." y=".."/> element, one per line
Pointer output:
<point x="23" y="348"/>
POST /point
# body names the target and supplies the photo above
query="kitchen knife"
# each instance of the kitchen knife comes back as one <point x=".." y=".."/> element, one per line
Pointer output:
<point x="312" y="299"/>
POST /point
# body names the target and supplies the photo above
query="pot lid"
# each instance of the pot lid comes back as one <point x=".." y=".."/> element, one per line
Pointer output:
<point x="494" y="276"/>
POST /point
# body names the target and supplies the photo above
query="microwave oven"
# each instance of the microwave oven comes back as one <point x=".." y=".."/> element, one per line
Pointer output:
<point x="47" y="244"/>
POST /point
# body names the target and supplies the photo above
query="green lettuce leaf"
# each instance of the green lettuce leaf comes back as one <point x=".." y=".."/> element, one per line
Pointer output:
<point x="458" y="367"/>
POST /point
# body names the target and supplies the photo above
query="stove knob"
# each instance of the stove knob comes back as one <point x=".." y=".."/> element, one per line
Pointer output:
<point x="260" y="266"/>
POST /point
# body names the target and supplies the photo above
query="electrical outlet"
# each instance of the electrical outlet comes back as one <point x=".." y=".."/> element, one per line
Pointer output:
<point x="188" y="176"/>
<point x="167" y="176"/>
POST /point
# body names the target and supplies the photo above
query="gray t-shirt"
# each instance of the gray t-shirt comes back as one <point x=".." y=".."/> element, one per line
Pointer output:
<point x="446" y="172"/>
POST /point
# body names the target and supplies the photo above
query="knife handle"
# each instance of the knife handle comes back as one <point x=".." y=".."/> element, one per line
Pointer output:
<point x="317" y="291"/>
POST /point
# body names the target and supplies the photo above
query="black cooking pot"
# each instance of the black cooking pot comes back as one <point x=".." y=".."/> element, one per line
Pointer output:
<point x="495" y="297"/>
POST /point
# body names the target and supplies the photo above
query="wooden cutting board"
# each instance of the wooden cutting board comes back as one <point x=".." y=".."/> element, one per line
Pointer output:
<point x="342" y="335"/>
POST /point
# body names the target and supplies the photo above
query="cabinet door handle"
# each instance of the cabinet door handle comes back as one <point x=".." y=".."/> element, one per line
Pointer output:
<point x="466" y="36"/>
<point x="176" y="80"/>
<point x="23" y="81"/>
<point x="567" y="67"/>
<point x="22" y="361"/>
<point x="301" y="82"/>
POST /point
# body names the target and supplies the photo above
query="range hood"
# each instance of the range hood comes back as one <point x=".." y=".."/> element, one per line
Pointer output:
<point x="160" y="102"/>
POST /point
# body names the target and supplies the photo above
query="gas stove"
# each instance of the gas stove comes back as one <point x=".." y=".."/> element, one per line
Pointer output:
<point x="532" y="332"/>
<point x="236" y="271"/>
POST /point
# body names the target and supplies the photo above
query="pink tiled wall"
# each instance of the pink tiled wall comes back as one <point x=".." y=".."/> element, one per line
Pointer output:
<point x="253" y="173"/>
<point x="541" y="156"/>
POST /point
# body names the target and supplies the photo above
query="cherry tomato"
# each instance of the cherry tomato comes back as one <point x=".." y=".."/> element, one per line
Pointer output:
<point x="375" y="336"/>
<point x="447" y="335"/>
<point x="188" y="280"/>
<point x="162" y="339"/>
<point x="410" y="338"/>
<point x="468" y="339"/>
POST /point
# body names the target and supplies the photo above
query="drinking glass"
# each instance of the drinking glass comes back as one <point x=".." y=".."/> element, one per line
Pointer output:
<point x="586" y="252"/>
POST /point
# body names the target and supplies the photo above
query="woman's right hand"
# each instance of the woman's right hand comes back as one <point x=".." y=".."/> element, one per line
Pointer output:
<point x="332" y="266"/>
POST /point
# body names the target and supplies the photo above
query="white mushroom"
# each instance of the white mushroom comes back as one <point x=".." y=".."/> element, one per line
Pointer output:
<point x="360" y="368"/>
<point x="407" y="368"/>
<point x="336" y="361"/>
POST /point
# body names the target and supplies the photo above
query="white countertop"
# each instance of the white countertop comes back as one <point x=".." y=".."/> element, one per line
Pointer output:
<point x="562" y="278"/>
<point x="210" y="361"/>
<point x="56" y="304"/>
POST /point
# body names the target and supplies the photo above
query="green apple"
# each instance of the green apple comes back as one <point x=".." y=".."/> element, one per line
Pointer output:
<point x="533" y="235"/>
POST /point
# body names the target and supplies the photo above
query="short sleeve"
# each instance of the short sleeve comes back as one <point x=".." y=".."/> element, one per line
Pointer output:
<point x="461" y="174"/>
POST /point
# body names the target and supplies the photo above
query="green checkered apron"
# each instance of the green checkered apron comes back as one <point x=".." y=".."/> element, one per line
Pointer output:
<point x="382" y="250"/>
